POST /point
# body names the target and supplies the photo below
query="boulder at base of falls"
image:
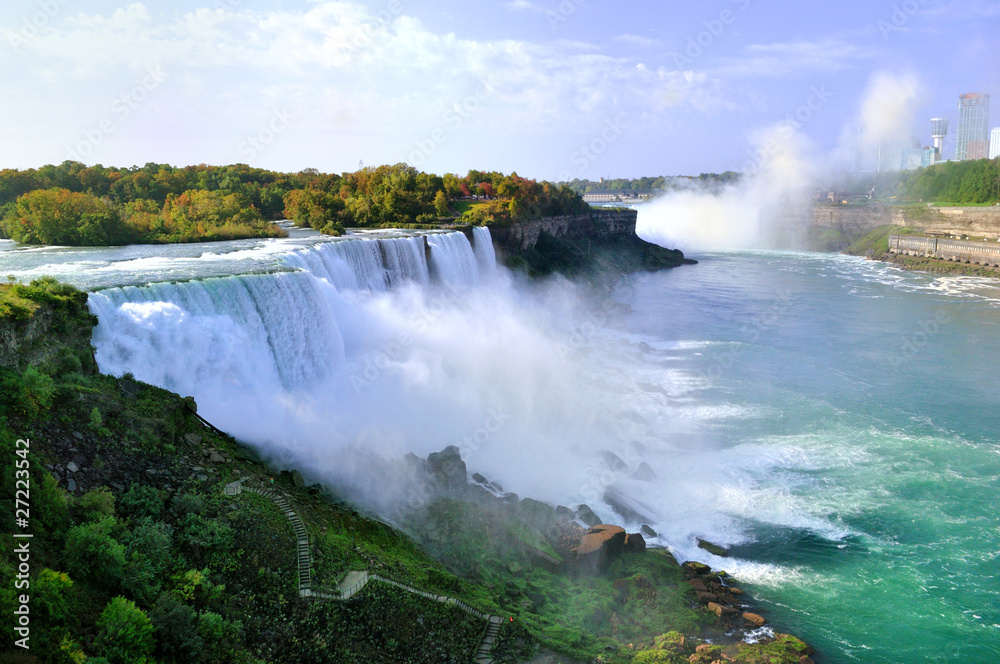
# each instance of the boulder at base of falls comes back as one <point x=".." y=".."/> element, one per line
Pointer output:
<point x="714" y="549"/>
<point x="597" y="546"/>
<point x="585" y="514"/>
<point x="644" y="473"/>
<point x="635" y="542"/>
<point x="536" y="513"/>
<point x="630" y="508"/>
<point x="447" y="466"/>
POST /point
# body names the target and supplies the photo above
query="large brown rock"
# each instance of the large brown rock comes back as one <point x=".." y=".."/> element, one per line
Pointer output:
<point x="754" y="619"/>
<point x="720" y="609"/>
<point x="597" y="546"/>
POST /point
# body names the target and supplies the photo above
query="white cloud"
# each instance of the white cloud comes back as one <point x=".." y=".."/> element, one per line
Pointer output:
<point x="369" y="81"/>
<point x="636" y="40"/>
<point x="524" y="5"/>
<point x="787" y="58"/>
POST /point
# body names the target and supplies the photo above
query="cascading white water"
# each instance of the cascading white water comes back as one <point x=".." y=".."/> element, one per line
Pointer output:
<point x="239" y="332"/>
<point x="373" y="264"/>
<point x="453" y="258"/>
<point x="245" y="341"/>
<point x="483" y="246"/>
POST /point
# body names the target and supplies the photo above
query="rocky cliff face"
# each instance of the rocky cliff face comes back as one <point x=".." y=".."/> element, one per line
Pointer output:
<point x="57" y="329"/>
<point x="858" y="220"/>
<point x="602" y="242"/>
<point x="597" y="225"/>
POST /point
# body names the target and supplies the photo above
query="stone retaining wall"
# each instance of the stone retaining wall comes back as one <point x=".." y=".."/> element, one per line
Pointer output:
<point x="980" y="253"/>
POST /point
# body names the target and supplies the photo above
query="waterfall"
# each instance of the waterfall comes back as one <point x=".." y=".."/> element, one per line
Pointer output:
<point x="269" y="330"/>
<point x="453" y="259"/>
<point x="369" y="264"/>
<point x="483" y="247"/>
<point x="264" y="330"/>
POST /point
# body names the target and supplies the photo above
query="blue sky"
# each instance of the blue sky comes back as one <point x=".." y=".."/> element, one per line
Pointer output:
<point x="550" y="89"/>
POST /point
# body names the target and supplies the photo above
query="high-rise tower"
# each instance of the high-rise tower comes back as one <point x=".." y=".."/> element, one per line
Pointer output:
<point x="973" y="126"/>
<point x="939" y="129"/>
<point x="995" y="143"/>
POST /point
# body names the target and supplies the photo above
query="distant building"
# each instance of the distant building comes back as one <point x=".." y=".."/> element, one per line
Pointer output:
<point x="973" y="126"/>
<point x="939" y="129"/>
<point x="614" y="196"/>
<point x="995" y="143"/>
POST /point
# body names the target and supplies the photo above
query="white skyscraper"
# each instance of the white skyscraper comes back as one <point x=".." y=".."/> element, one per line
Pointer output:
<point x="995" y="143"/>
<point x="973" y="126"/>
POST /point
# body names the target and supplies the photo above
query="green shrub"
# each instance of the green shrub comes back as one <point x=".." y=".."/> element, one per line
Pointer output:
<point x="28" y="393"/>
<point x="125" y="633"/>
<point x="94" y="556"/>
<point x="96" y="504"/>
<point x="204" y="535"/>
<point x="147" y="549"/>
<point x="140" y="501"/>
<point x="188" y="503"/>
<point x="95" y="419"/>
<point x="175" y="628"/>
<point x="221" y="637"/>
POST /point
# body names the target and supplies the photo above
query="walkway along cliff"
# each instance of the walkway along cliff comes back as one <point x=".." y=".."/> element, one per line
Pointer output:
<point x="960" y="251"/>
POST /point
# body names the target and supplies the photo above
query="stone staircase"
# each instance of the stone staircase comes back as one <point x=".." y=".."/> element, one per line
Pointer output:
<point x="354" y="582"/>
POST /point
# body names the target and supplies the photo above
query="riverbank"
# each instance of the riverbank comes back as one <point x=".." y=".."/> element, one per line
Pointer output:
<point x="876" y="246"/>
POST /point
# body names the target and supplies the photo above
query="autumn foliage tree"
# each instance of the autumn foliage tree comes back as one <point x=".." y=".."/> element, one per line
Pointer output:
<point x="61" y="217"/>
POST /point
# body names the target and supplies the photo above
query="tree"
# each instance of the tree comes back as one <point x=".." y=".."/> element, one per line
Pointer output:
<point x="125" y="633"/>
<point x="94" y="556"/>
<point x="175" y="626"/>
<point x="59" y="216"/>
<point x="441" y="204"/>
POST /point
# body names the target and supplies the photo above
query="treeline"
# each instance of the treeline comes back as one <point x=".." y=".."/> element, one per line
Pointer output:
<point x="400" y="194"/>
<point x="63" y="217"/>
<point x="74" y="204"/>
<point x="646" y="185"/>
<point x="961" y="182"/>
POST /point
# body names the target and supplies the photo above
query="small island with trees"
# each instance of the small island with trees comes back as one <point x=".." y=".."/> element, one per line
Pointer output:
<point x="76" y="205"/>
